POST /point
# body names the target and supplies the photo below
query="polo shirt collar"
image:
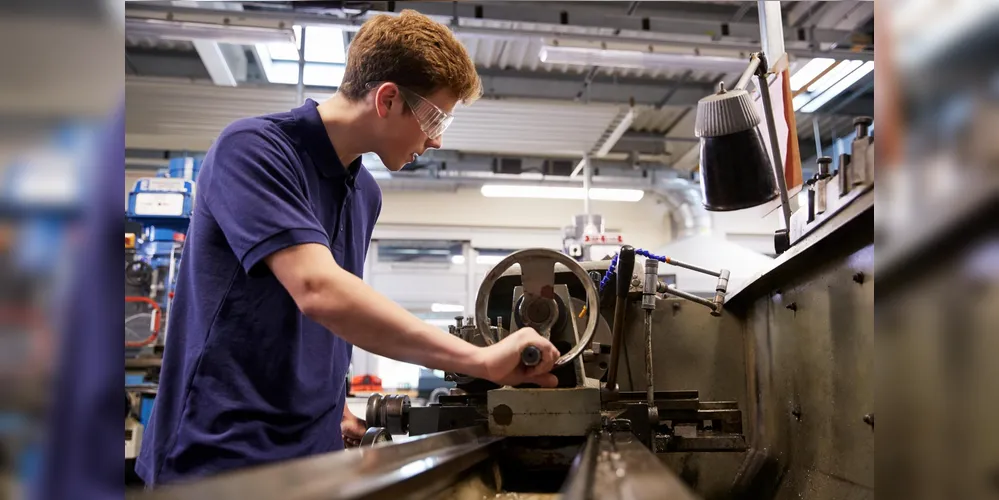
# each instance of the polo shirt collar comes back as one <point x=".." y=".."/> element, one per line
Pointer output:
<point x="318" y="145"/>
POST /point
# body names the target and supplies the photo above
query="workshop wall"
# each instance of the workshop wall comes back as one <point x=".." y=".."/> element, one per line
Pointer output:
<point x="752" y="228"/>
<point x="644" y="224"/>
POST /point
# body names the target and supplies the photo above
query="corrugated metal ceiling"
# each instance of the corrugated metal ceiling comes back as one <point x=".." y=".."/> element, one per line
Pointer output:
<point x="521" y="54"/>
<point x="148" y="42"/>
<point x="178" y="116"/>
<point x="650" y="119"/>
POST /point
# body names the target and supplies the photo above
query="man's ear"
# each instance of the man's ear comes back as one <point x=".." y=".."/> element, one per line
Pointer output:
<point x="384" y="96"/>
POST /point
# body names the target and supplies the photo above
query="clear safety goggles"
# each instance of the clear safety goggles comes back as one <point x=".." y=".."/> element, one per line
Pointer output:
<point x="433" y="120"/>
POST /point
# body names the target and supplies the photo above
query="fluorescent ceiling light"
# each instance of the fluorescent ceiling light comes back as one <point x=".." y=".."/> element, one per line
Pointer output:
<point x="834" y="75"/>
<point x="801" y="100"/>
<point x="458" y="259"/>
<point x="838" y="88"/>
<point x="809" y="71"/>
<point x="446" y="308"/>
<point x="831" y="78"/>
<point x="560" y="192"/>
<point x="581" y="56"/>
<point x="177" y="30"/>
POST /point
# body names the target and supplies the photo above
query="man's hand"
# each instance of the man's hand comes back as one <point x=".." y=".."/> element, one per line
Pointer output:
<point x="501" y="361"/>
<point x="352" y="428"/>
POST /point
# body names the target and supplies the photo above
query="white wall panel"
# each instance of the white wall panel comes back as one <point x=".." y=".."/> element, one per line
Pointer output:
<point x="479" y="237"/>
<point x="416" y="289"/>
<point x="644" y="223"/>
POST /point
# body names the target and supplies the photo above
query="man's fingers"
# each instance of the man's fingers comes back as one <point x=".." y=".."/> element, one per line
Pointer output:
<point x="554" y="354"/>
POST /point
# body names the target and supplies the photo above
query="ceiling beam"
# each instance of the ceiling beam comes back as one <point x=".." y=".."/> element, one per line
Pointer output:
<point x="225" y="64"/>
<point x="533" y="87"/>
<point x="607" y="143"/>
<point x="676" y="32"/>
<point x="596" y="16"/>
<point x="496" y="83"/>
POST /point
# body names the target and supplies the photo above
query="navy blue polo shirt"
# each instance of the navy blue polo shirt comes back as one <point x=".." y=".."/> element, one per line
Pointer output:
<point x="247" y="379"/>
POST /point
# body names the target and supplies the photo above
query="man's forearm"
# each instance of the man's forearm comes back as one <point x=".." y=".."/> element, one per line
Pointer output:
<point x="353" y="310"/>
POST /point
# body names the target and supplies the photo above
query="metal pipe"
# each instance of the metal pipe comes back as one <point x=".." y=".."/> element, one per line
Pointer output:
<point x="684" y="295"/>
<point x="649" y="304"/>
<point x="587" y="179"/>
<point x="300" y="89"/>
<point x="678" y="263"/>
<point x="754" y="63"/>
<point x="720" y="289"/>
<point x="625" y="269"/>
<point x="650" y="387"/>
<point x="768" y="110"/>
<point x="818" y="136"/>
<point x="771" y="30"/>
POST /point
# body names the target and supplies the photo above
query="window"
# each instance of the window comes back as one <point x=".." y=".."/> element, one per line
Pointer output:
<point x="422" y="251"/>
<point x="325" y="58"/>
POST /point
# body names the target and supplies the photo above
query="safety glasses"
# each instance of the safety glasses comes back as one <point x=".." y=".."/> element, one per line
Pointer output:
<point x="433" y="120"/>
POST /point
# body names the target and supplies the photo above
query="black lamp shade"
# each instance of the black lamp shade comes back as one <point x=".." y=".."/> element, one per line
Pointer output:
<point x="736" y="171"/>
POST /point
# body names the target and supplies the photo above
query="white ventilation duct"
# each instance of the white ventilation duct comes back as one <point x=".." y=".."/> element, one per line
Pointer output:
<point x="687" y="213"/>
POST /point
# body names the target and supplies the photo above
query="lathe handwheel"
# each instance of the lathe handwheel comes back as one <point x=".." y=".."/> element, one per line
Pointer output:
<point x="537" y="275"/>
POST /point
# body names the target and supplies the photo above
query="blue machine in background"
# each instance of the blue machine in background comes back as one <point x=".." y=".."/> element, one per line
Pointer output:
<point x="161" y="206"/>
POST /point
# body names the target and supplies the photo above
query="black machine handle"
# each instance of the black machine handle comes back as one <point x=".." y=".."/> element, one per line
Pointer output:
<point x="530" y="356"/>
<point x="625" y="270"/>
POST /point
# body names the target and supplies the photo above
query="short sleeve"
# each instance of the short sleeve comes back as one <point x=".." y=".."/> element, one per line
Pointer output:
<point x="257" y="197"/>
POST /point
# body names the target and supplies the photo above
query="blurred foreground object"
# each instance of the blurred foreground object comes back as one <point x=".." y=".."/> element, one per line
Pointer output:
<point x="938" y="248"/>
<point x="60" y="191"/>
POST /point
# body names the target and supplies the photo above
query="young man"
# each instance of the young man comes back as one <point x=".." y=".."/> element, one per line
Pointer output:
<point x="269" y="301"/>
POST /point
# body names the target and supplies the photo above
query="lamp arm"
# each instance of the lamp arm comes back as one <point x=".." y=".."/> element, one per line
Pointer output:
<point x="754" y="63"/>
<point x="768" y="111"/>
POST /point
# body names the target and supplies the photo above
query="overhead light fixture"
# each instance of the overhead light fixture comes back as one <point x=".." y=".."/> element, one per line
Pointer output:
<point x="190" y="31"/>
<point x="446" y="308"/>
<point x="809" y="71"/>
<point x="838" y="88"/>
<point x="560" y="192"/>
<point x="834" y="76"/>
<point x="633" y="59"/>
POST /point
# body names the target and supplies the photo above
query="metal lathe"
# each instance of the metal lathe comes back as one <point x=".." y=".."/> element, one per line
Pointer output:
<point x="763" y="391"/>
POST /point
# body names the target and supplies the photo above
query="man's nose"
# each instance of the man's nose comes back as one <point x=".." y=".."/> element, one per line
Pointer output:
<point x="436" y="143"/>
